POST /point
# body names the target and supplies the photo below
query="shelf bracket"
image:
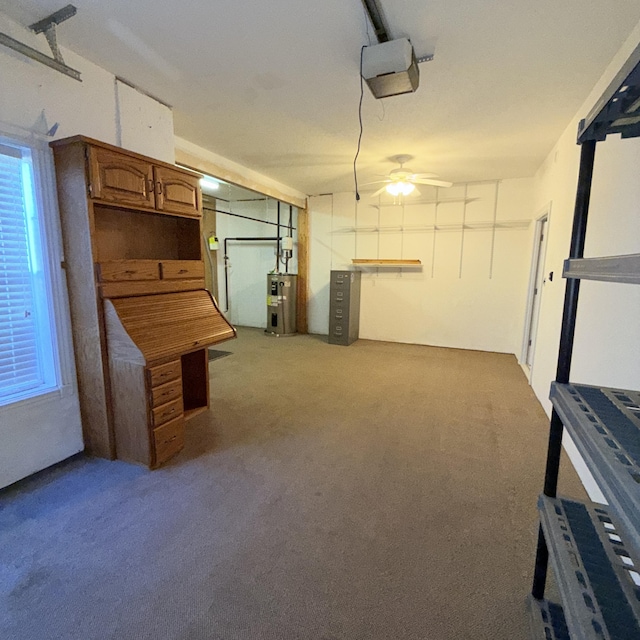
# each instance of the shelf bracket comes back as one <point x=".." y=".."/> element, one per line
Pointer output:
<point x="48" y="27"/>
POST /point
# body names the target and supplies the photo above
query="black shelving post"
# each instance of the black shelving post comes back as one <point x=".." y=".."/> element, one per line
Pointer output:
<point x="554" y="450"/>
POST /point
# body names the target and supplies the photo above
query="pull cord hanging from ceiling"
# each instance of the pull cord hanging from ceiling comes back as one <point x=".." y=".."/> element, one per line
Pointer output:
<point x="355" y="174"/>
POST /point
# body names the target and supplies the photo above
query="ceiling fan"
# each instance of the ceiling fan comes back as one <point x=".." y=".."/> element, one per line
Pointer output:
<point x="402" y="181"/>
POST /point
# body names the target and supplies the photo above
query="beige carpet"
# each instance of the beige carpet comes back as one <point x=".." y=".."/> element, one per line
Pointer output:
<point x="376" y="492"/>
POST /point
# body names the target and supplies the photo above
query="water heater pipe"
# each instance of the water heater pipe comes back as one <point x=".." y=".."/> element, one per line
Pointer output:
<point x="278" y="245"/>
<point x="287" y="253"/>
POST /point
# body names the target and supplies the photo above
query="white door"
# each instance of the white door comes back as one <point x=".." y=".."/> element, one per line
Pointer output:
<point x="536" y="295"/>
<point x="39" y="409"/>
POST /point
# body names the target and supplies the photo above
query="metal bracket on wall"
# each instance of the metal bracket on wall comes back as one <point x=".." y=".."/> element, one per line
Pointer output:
<point x="48" y="27"/>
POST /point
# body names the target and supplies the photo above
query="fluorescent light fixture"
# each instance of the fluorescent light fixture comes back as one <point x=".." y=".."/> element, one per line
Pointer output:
<point x="401" y="187"/>
<point x="207" y="183"/>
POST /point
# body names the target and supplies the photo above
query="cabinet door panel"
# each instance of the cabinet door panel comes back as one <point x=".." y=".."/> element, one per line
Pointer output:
<point x="177" y="192"/>
<point x="118" y="178"/>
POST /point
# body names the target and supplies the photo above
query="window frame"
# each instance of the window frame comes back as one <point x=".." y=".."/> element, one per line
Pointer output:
<point x="62" y="381"/>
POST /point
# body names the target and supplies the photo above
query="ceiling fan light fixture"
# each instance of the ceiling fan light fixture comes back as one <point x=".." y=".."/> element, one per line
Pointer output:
<point x="400" y="188"/>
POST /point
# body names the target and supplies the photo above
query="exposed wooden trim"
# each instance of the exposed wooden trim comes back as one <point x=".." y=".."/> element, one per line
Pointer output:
<point x="303" y="270"/>
<point x="195" y="163"/>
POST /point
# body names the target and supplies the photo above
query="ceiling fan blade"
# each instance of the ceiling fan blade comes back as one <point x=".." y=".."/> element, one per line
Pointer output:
<point x="433" y="183"/>
<point x="378" y="192"/>
<point x="419" y="176"/>
<point x="374" y="182"/>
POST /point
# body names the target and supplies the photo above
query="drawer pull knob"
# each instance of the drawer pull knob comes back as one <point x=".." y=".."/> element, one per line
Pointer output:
<point x="183" y="271"/>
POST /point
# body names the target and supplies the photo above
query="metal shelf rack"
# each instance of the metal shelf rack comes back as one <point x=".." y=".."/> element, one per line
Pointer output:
<point x="594" y="550"/>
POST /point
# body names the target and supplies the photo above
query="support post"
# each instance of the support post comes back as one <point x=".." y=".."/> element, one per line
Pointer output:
<point x="578" y="236"/>
<point x="540" y="568"/>
<point x="556" y="428"/>
<point x="303" y="270"/>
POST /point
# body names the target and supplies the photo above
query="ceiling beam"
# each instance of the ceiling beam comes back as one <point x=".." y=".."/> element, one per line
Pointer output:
<point x="203" y="165"/>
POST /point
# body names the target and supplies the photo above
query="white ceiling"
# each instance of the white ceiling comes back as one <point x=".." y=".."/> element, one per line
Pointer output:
<point x="275" y="86"/>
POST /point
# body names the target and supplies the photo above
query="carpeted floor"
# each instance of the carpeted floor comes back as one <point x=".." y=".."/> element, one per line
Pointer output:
<point x="373" y="492"/>
<point x="214" y="354"/>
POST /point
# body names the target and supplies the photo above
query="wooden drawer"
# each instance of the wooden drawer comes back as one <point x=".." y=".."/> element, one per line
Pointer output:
<point x="119" y="270"/>
<point x="165" y="372"/>
<point x="167" y="440"/>
<point x="167" y="412"/>
<point x="172" y="269"/>
<point x="166" y="392"/>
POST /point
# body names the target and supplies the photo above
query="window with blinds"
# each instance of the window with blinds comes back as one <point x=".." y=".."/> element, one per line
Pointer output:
<point x="26" y="336"/>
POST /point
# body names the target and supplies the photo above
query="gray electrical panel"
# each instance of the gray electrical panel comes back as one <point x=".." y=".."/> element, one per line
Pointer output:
<point x="344" y="307"/>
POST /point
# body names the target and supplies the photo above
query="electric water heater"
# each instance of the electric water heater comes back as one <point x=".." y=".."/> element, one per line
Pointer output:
<point x="281" y="304"/>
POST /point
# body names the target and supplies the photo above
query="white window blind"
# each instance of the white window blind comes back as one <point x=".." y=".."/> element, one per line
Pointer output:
<point x="26" y="344"/>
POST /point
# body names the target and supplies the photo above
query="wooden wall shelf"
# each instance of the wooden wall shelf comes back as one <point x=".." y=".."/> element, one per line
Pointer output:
<point x="417" y="228"/>
<point x="375" y="262"/>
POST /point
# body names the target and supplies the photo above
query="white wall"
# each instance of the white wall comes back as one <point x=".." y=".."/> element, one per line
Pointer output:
<point x="143" y="124"/>
<point x="250" y="262"/>
<point x="33" y="98"/>
<point x="470" y="292"/>
<point x="607" y="343"/>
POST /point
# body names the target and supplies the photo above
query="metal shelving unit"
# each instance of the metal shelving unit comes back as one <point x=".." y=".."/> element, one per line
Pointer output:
<point x="594" y="550"/>
<point x="594" y="567"/>
<point x="610" y="269"/>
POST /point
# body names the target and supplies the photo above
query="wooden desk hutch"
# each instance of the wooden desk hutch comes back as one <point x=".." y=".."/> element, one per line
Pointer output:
<point x="141" y="317"/>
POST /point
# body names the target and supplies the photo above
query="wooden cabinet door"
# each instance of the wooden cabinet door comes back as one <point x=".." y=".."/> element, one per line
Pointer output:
<point x="177" y="192"/>
<point x="120" y="179"/>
